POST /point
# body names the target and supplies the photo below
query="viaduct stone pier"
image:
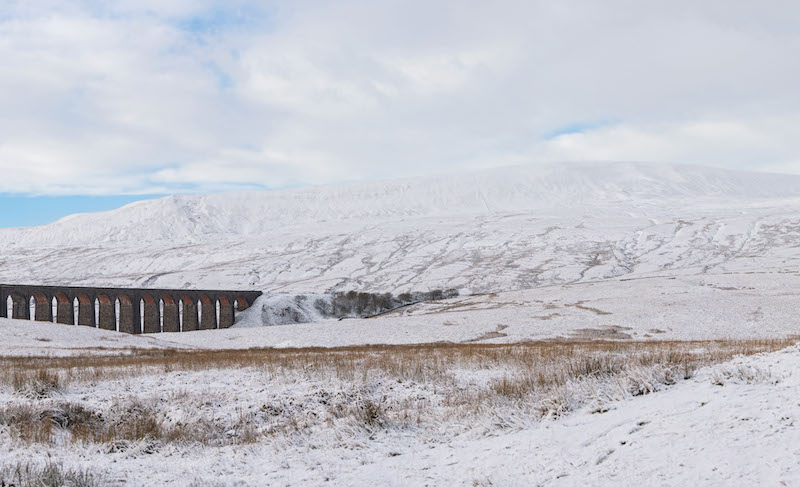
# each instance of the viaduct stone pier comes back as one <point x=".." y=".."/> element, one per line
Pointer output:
<point x="125" y="309"/>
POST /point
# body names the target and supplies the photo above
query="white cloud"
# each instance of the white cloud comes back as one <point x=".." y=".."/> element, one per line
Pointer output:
<point x="753" y="143"/>
<point x="169" y="96"/>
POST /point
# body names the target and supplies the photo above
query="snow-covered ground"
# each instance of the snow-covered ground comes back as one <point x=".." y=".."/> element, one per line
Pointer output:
<point x="662" y="308"/>
<point x="734" y="424"/>
<point x="437" y="422"/>
<point x="34" y="338"/>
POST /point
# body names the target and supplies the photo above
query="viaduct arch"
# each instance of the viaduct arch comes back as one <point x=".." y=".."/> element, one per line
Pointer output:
<point x="129" y="310"/>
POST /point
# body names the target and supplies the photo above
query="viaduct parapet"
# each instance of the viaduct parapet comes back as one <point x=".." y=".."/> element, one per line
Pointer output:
<point x="129" y="310"/>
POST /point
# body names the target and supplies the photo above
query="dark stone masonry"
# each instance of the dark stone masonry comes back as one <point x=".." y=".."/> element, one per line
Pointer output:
<point x="127" y="310"/>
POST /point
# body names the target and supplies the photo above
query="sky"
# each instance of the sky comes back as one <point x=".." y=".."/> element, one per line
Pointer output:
<point x="105" y="102"/>
<point x="29" y="210"/>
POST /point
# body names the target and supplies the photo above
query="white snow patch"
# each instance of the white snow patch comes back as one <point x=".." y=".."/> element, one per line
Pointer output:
<point x="29" y="338"/>
<point x="282" y="309"/>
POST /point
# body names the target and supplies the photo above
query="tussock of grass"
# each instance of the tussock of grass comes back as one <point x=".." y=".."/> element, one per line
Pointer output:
<point x="740" y="373"/>
<point x="35" y="383"/>
<point x="47" y="475"/>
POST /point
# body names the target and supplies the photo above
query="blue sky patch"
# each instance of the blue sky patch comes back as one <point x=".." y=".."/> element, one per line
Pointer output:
<point x="22" y="210"/>
<point x="578" y="128"/>
<point x="220" y="19"/>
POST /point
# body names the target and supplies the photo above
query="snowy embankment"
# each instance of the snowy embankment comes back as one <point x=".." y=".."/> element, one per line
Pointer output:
<point x="35" y="338"/>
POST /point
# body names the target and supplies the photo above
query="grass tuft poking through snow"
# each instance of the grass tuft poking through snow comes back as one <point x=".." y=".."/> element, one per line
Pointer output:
<point x="47" y="475"/>
<point x="740" y="374"/>
<point x="36" y="384"/>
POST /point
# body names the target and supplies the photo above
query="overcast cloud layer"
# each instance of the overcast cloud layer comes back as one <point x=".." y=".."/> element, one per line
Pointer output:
<point x="135" y="96"/>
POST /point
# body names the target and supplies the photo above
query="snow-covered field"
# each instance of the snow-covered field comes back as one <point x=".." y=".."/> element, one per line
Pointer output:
<point x="537" y="414"/>
<point x="28" y="338"/>
<point x="663" y="308"/>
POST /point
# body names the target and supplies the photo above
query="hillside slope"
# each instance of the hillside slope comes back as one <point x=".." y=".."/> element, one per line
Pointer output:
<point x="195" y="218"/>
<point x="494" y="230"/>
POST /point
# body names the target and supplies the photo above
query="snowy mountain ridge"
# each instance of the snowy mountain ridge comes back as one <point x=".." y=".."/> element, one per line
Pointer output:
<point x="197" y="218"/>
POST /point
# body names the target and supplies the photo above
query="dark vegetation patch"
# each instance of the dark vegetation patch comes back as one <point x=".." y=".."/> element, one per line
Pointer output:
<point x="611" y="332"/>
<point x="355" y="304"/>
<point x="48" y="475"/>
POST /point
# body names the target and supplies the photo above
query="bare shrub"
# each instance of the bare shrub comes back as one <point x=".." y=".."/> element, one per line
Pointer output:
<point x="354" y="303"/>
<point x="68" y="415"/>
<point x="37" y="383"/>
<point x="24" y="421"/>
<point x="740" y="373"/>
<point x="371" y="413"/>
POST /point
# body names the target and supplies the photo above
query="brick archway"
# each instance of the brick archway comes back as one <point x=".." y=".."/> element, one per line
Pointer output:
<point x="43" y="307"/>
<point x="170" y="312"/>
<point x="189" y="320"/>
<point x="85" y="309"/>
<point x="106" y="316"/>
<point x="151" y="316"/>
<point x="126" y="315"/>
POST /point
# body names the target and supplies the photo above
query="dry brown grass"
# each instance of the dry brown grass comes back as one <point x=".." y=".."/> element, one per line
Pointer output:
<point x="48" y="475"/>
<point x="37" y="383"/>
<point x="25" y="422"/>
<point x="524" y="380"/>
<point x="40" y="422"/>
<point x="48" y="373"/>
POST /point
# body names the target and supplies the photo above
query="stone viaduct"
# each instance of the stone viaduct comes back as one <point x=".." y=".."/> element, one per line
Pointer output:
<point x="125" y="309"/>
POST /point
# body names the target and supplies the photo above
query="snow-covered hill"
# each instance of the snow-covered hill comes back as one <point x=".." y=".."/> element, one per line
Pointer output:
<point x="494" y="230"/>
<point x="192" y="218"/>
